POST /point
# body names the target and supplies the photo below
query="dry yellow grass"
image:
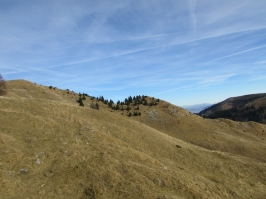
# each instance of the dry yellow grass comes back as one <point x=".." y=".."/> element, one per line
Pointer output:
<point x="241" y="138"/>
<point x="51" y="148"/>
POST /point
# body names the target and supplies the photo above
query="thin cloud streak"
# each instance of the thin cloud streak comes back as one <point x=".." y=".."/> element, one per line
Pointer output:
<point x="241" y="52"/>
<point x="215" y="79"/>
<point x="169" y="45"/>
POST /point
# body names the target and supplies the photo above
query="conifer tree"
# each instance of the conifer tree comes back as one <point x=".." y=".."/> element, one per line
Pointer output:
<point x="80" y="102"/>
<point x="130" y="99"/>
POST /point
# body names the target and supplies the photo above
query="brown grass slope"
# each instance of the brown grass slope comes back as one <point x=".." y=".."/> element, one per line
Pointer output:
<point x="27" y="90"/>
<point x="54" y="149"/>
<point x="241" y="138"/>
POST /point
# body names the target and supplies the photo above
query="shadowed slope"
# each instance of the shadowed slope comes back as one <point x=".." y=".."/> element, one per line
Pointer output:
<point x="242" y="108"/>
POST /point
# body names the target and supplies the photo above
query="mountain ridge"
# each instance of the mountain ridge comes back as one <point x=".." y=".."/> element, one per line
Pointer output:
<point x="250" y="107"/>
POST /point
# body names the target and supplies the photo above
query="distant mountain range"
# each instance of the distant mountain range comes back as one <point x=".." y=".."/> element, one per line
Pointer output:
<point x="242" y="108"/>
<point x="197" y="107"/>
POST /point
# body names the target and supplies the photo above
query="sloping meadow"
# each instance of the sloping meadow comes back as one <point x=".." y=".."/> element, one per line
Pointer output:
<point x="55" y="150"/>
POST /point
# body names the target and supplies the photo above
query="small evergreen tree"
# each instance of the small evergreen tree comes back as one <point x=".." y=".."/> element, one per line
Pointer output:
<point x="101" y="98"/>
<point x="130" y="99"/>
<point x="80" y="102"/>
<point x="110" y="104"/>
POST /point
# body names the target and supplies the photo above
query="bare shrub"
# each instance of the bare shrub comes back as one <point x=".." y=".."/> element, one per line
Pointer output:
<point x="3" y="89"/>
<point x="94" y="106"/>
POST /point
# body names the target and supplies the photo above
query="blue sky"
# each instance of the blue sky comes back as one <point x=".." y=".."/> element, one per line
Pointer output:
<point x="184" y="52"/>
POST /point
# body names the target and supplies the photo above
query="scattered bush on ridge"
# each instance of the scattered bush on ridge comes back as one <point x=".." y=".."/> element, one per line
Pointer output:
<point x="3" y="88"/>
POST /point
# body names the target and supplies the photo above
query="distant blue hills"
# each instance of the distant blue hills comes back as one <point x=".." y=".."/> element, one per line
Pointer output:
<point x="197" y="107"/>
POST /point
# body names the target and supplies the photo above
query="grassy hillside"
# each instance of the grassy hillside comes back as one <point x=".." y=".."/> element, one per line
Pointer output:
<point x="52" y="148"/>
<point x="241" y="138"/>
<point x="242" y="108"/>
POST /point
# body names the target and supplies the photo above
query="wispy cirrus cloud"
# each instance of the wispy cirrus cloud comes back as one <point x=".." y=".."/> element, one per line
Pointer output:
<point x="237" y="53"/>
<point x="142" y="46"/>
<point x="206" y="81"/>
